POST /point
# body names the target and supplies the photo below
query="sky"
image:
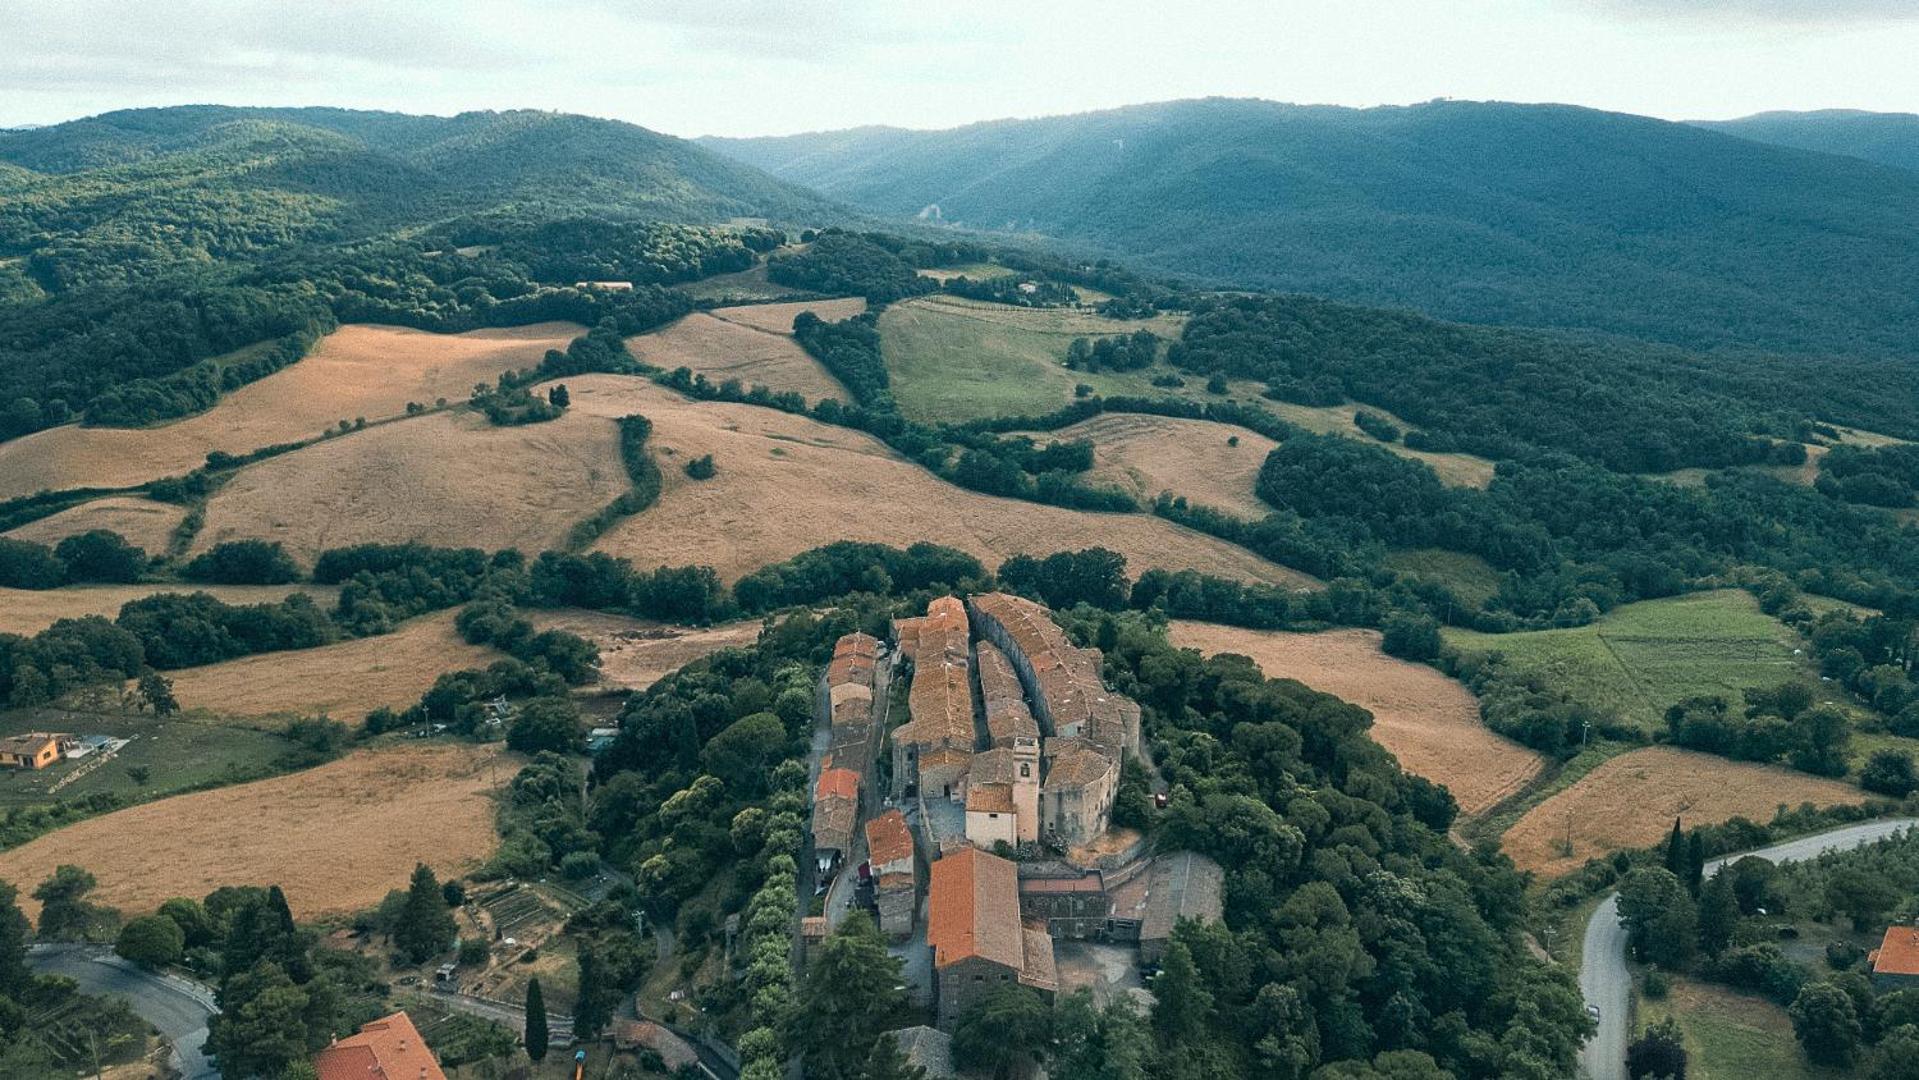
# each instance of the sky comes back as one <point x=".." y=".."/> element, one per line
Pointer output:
<point x="760" y="67"/>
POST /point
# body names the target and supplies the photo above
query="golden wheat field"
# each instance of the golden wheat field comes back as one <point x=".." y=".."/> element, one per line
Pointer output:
<point x="336" y="838"/>
<point x="722" y="350"/>
<point x="1630" y="802"/>
<point x="345" y="680"/>
<point x="786" y="484"/>
<point x="29" y="611"/>
<point x="636" y="653"/>
<point x="356" y="371"/>
<point x="146" y="524"/>
<point x="1145" y="455"/>
<point x="778" y="318"/>
<point x="451" y="479"/>
<point x="1430" y="722"/>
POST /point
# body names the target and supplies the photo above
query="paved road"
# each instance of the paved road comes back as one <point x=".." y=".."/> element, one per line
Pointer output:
<point x="1604" y="978"/>
<point x="178" y="1008"/>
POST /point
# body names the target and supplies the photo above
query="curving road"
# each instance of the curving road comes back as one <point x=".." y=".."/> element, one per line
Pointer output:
<point x="1606" y="981"/>
<point x="178" y="1008"/>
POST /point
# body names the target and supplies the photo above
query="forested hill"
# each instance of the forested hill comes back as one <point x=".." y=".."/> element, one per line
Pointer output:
<point x="209" y="183"/>
<point x="1887" y="138"/>
<point x="1518" y="214"/>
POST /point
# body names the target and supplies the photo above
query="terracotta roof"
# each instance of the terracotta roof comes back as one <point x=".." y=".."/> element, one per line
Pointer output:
<point x="994" y="766"/>
<point x="973" y="910"/>
<point x="389" y="1048"/>
<point x="1898" y="954"/>
<point x="1074" y="763"/>
<point x="1068" y="688"/>
<point x="1008" y="717"/>
<point x="1037" y="968"/>
<point x="950" y="756"/>
<point x="888" y="840"/>
<point x="857" y="644"/>
<point x="989" y="798"/>
<point x="843" y="783"/>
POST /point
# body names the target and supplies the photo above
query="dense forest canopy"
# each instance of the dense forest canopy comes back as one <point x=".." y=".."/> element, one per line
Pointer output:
<point x="1536" y="215"/>
<point x="1886" y="138"/>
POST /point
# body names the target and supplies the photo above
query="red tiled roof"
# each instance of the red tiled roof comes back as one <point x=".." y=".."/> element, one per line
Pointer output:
<point x="973" y="910"/>
<point x="989" y="798"/>
<point x="843" y="783"/>
<point x="887" y="838"/>
<point x="389" y="1048"/>
<point x="1898" y="954"/>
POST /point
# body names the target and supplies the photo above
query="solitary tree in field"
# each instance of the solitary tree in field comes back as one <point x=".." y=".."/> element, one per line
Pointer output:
<point x="535" y="1021"/>
<point x="156" y="692"/>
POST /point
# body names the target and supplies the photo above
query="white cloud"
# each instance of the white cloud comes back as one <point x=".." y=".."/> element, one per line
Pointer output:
<point x="765" y="66"/>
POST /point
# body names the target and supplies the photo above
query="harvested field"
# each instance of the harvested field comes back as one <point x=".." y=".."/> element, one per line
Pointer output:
<point x="1631" y="800"/>
<point x="370" y="371"/>
<point x="787" y="483"/>
<point x="1145" y="455"/>
<point x="336" y="838"/>
<point x="778" y="318"/>
<point x="450" y="479"/>
<point x="345" y="680"/>
<point x="1430" y="722"/>
<point x="722" y="350"/>
<point x="635" y="653"/>
<point x="29" y="611"/>
<point x="146" y="524"/>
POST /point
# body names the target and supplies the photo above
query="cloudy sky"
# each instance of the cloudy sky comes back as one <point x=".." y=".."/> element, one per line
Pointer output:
<point x="749" y="67"/>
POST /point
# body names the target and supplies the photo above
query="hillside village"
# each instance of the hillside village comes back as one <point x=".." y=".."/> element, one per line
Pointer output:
<point x="978" y="829"/>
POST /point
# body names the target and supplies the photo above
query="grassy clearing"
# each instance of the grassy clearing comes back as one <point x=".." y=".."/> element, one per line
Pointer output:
<point x="1642" y="658"/>
<point x="1459" y="470"/>
<point x="954" y="359"/>
<point x="1470" y="577"/>
<point x="1732" y="1036"/>
<point x="740" y="286"/>
<point x="978" y="271"/>
<point x="176" y="753"/>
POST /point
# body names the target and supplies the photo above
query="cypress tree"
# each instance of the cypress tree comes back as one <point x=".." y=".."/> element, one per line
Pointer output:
<point x="425" y="927"/>
<point x="1676" y="852"/>
<point x="1718" y="913"/>
<point x="535" y="1021"/>
<point x="1695" y="863"/>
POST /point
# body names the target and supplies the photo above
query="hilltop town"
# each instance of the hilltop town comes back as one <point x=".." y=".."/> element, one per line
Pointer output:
<point x="977" y="829"/>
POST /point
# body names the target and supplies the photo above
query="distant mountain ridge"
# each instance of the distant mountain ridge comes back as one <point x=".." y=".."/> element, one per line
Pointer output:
<point x="1886" y="138"/>
<point x="1541" y="215"/>
<point x="381" y="164"/>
